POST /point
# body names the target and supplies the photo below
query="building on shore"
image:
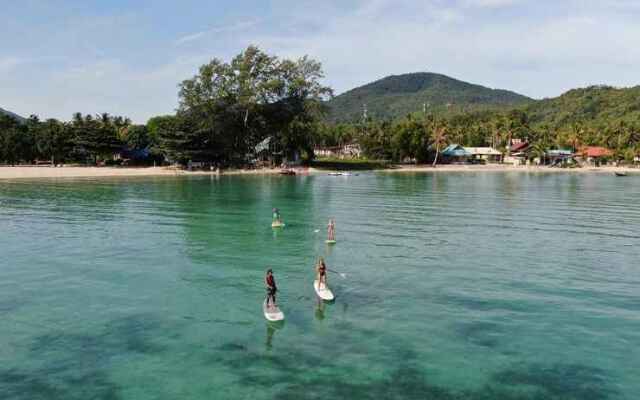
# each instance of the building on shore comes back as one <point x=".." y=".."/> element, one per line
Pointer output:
<point x="455" y="154"/>
<point x="594" y="155"/>
<point x="518" y="152"/>
<point x="484" y="154"/>
<point x="351" y="150"/>
<point x="559" y="157"/>
<point x="267" y="153"/>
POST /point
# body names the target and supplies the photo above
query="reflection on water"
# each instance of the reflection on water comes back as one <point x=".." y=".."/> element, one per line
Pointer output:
<point x="272" y="327"/>
<point x="458" y="286"/>
<point x="319" y="314"/>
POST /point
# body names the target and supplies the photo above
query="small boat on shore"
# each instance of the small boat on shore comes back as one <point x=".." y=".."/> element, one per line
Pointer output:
<point x="287" y="172"/>
<point x="620" y="173"/>
<point x="341" y="174"/>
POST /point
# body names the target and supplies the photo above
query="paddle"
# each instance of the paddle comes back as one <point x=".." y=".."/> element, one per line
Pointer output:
<point x="342" y="275"/>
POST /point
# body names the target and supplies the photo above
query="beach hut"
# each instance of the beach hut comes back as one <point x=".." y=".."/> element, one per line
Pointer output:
<point x="268" y="152"/>
<point x="484" y="154"/>
<point x="351" y="150"/>
<point x="558" y="157"/>
<point x="518" y="152"/>
<point x="455" y="154"/>
<point x="595" y="155"/>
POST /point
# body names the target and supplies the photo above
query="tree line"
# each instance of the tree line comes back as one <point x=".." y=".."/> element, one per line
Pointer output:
<point x="227" y="108"/>
<point x="224" y="111"/>
<point x="421" y="137"/>
<point x="85" y="138"/>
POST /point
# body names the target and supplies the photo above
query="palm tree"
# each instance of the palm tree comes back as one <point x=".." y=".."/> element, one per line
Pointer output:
<point x="574" y="138"/>
<point x="438" y="136"/>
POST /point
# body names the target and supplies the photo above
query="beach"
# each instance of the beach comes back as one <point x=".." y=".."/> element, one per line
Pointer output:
<point x="33" y="172"/>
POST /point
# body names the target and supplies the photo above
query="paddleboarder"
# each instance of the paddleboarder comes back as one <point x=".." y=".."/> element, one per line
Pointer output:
<point x="270" y="281"/>
<point x="331" y="230"/>
<point x="276" y="216"/>
<point x="321" y="273"/>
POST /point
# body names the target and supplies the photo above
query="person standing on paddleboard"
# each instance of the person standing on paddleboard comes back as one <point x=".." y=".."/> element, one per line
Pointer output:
<point x="270" y="281"/>
<point x="331" y="230"/>
<point x="321" y="272"/>
<point x="276" y="216"/>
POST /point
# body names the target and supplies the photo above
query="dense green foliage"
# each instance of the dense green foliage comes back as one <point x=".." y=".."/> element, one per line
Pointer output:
<point x="399" y="95"/>
<point x="225" y="110"/>
<point x="86" y="139"/>
<point x="229" y="107"/>
<point x="595" y="116"/>
<point x="595" y="106"/>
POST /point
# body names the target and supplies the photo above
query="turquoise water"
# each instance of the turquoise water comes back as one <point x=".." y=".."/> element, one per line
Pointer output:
<point x="458" y="286"/>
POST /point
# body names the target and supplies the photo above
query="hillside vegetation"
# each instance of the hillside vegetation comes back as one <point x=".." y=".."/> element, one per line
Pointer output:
<point x="594" y="107"/>
<point x="398" y="95"/>
<point x="11" y="114"/>
<point x="593" y="116"/>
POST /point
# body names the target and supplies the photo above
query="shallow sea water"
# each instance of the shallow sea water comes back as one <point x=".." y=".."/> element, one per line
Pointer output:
<point x="458" y="286"/>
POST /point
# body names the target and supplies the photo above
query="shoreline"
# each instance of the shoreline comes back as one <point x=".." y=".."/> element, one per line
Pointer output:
<point x="47" y="172"/>
<point x="41" y="172"/>
<point x="509" y="168"/>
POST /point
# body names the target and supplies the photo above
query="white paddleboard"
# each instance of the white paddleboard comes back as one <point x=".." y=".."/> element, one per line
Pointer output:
<point x="324" y="292"/>
<point x="272" y="313"/>
<point x="330" y="241"/>
<point x="277" y="224"/>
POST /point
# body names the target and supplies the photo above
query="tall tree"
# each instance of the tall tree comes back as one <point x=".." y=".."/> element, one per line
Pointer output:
<point x="438" y="136"/>
<point x="232" y="106"/>
<point x="54" y="140"/>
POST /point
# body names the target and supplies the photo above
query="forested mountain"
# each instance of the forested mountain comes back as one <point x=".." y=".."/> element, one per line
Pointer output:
<point x="593" y="107"/>
<point x="398" y="95"/>
<point x="9" y="113"/>
<point x="593" y="116"/>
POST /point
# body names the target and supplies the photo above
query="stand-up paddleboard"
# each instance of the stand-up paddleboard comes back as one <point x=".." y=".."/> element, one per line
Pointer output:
<point x="272" y="313"/>
<point x="323" y="292"/>
<point x="277" y="224"/>
<point x="330" y="241"/>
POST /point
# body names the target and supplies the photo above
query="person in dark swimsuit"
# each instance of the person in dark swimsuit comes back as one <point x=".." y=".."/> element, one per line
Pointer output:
<point x="270" y="281"/>
<point x="321" y="273"/>
<point x="276" y="216"/>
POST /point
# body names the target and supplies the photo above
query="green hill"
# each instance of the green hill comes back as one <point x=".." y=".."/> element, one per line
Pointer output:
<point x="398" y="95"/>
<point x="593" y="106"/>
<point x="14" y="115"/>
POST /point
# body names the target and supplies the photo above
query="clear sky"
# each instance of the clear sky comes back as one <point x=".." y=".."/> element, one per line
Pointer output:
<point x="127" y="57"/>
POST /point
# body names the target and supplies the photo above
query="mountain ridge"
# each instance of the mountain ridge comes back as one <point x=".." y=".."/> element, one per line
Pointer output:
<point x="12" y="114"/>
<point x="398" y="95"/>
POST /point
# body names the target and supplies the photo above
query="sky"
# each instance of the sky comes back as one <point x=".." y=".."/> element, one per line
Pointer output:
<point x="127" y="58"/>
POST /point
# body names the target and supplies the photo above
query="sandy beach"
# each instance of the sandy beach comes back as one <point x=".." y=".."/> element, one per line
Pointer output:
<point x="33" y="172"/>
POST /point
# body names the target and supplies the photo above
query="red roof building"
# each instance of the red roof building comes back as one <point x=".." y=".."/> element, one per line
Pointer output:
<point x="520" y="146"/>
<point x="595" y="152"/>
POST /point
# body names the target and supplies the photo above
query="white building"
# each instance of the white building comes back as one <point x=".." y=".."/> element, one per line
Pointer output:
<point x="488" y="154"/>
